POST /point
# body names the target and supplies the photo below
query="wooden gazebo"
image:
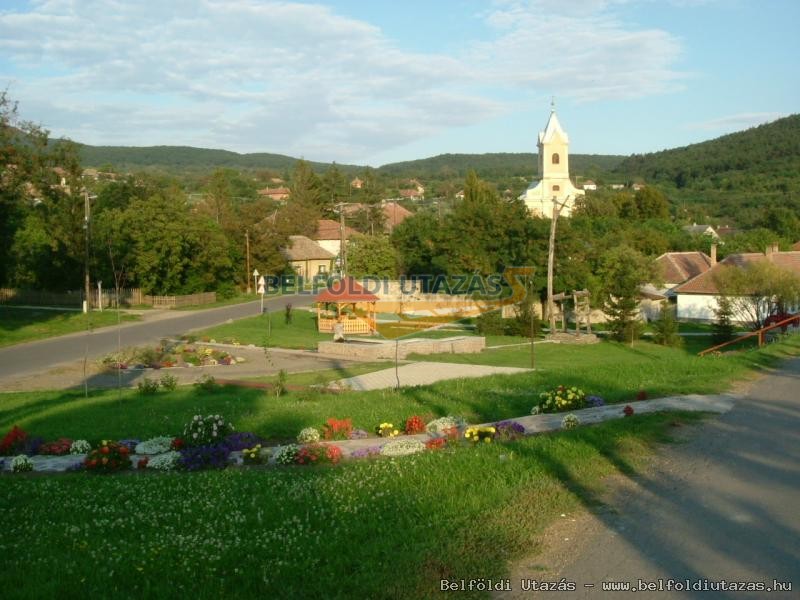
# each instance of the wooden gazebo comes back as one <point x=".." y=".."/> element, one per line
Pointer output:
<point x="340" y="294"/>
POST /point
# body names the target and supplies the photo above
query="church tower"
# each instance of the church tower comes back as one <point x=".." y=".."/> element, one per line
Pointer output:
<point x="554" y="179"/>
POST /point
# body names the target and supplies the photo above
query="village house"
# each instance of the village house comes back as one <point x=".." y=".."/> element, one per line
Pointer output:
<point x="589" y="185"/>
<point x="277" y="194"/>
<point x="329" y="235"/>
<point x="679" y="267"/>
<point x="357" y="183"/>
<point x="697" y="297"/>
<point x="307" y="257"/>
<point x="695" y="229"/>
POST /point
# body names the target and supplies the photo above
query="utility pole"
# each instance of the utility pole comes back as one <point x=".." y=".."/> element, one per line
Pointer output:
<point x="550" y="259"/>
<point x="247" y="258"/>
<point x="87" y="290"/>
<point x="342" y="238"/>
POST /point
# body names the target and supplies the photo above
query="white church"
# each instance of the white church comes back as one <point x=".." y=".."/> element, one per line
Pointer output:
<point x="554" y="179"/>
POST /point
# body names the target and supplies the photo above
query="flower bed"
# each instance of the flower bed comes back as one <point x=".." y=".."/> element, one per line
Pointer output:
<point x="167" y="355"/>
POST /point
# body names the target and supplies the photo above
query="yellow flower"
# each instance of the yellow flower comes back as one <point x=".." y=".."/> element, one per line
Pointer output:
<point x="487" y="440"/>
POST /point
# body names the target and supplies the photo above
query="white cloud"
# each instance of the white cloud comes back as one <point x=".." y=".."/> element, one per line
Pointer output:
<point x="300" y="79"/>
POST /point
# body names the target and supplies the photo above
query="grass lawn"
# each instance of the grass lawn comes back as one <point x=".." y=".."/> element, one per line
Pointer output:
<point x="388" y="528"/>
<point x="324" y="376"/>
<point x="301" y="333"/>
<point x="237" y="299"/>
<point x="614" y="371"/>
<point x="28" y="324"/>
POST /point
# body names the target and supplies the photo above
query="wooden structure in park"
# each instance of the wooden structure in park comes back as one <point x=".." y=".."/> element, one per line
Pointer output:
<point x="333" y="303"/>
<point x="583" y="310"/>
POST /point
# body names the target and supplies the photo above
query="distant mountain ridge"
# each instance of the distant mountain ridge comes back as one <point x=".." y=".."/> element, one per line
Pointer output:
<point x="500" y="164"/>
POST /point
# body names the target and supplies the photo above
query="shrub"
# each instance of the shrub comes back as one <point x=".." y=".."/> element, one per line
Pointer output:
<point x="212" y="456"/>
<point x="147" y="356"/>
<point x="480" y="434"/>
<point x="628" y="410"/>
<point x="169" y="461"/>
<point x="570" y="421"/>
<point x="147" y="386"/>
<point x="109" y="457"/>
<point x="723" y="329"/>
<point x="561" y="399"/>
<point x="508" y="430"/>
<point x="641" y="395"/>
<point x="202" y="431"/>
<point x="206" y="383"/>
<point x="414" y="425"/>
<point x="168" y="382"/>
<point x="280" y="383"/>
<point x="80" y="447"/>
<point x="21" y="464"/>
<point x="13" y="441"/>
<point x="315" y="454"/>
<point x="156" y="445"/>
<point x="58" y="448"/>
<point x="337" y="429"/>
<point x="308" y="435"/>
<point x="286" y="455"/>
<point x="402" y="447"/>
<point x="386" y="430"/>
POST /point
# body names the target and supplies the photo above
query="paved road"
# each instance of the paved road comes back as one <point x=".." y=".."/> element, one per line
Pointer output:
<point x="35" y="357"/>
<point x="725" y="505"/>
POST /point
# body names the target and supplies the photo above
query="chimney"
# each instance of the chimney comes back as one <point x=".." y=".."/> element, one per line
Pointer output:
<point x="713" y="254"/>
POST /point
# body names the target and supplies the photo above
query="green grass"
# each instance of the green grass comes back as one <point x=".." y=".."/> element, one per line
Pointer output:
<point x="237" y="299"/>
<point x="324" y="376"/>
<point x="613" y="371"/>
<point x="25" y="325"/>
<point x="365" y="529"/>
<point x="301" y="333"/>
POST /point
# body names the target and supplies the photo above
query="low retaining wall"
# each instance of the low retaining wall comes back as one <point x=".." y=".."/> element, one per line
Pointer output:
<point x="386" y="349"/>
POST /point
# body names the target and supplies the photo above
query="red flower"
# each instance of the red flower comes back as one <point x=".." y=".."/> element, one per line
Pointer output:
<point x="142" y="462"/>
<point x="628" y="410"/>
<point x="435" y="443"/>
<point x="124" y="450"/>
<point x="104" y="450"/>
<point x="414" y="425"/>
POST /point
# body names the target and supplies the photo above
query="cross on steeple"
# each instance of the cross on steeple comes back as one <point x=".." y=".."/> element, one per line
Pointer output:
<point x="552" y="104"/>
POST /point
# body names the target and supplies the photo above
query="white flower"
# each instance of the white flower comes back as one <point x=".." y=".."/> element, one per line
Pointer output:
<point x="21" y="464"/>
<point x="194" y="435"/>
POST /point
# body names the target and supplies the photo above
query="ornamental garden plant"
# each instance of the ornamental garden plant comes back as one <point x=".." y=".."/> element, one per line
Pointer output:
<point x="560" y="399"/>
<point x="109" y="457"/>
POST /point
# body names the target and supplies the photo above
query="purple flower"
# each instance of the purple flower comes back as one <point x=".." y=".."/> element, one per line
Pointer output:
<point x="130" y="444"/>
<point x="31" y="446"/>
<point x="595" y="401"/>
<point x="205" y="457"/>
<point x="358" y="434"/>
<point x="509" y="430"/>
<point x="366" y="452"/>
<point x="241" y="440"/>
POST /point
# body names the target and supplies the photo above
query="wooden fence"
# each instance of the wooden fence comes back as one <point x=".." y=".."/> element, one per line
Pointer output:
<point x="127" y="297"/>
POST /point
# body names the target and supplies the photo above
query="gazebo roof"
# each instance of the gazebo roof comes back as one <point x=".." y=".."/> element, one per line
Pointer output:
<point x="345" y="290"/>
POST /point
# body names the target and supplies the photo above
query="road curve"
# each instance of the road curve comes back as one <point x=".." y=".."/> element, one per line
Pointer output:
<point x="33" y="357"/>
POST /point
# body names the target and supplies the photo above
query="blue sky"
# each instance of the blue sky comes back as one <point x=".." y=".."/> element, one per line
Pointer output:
<point x="372" y="82"/>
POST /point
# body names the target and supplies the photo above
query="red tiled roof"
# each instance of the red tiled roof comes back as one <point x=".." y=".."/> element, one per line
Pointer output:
<point x="409" y="193"/>
<point x="796" y="247"/>
<point x="682" y="266"/>
<point x="280" y="191"/>
<point x="302" y="248"/>
<point x="705" y="282"/>
<point x="395" y="214"/>
<point x="345" y="290"/>
<point x="328" y="229"/>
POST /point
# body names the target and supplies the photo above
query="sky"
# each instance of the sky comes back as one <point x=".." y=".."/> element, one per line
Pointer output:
<point x="376" y="81"/>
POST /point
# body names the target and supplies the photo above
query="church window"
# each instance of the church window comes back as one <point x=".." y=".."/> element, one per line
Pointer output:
<point x="556" y="188"/>
<point x="556" y="158"/>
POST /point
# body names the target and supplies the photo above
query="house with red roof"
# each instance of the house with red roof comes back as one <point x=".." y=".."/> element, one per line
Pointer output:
<point x="329" y="235"/>
<point x="697" y="297"/>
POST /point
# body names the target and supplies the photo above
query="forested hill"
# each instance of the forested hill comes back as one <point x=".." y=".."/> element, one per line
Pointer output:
<point x="762" y="159"/>
<point x="187" y="157"/>
<point x="490" y="166"/>
<point x="494" y="166"/>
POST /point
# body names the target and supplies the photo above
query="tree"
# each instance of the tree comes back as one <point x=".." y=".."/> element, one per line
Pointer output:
<point x="332" y="190"/>
<point x="756" y="290"/>
<point x="665" y="329"/>
<point x="722" y="328"/>
<point x="651" y="203"/>
<point x="622" y="271"/>
<point x="371" y="256"/>
<point x="305" y="187"/>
